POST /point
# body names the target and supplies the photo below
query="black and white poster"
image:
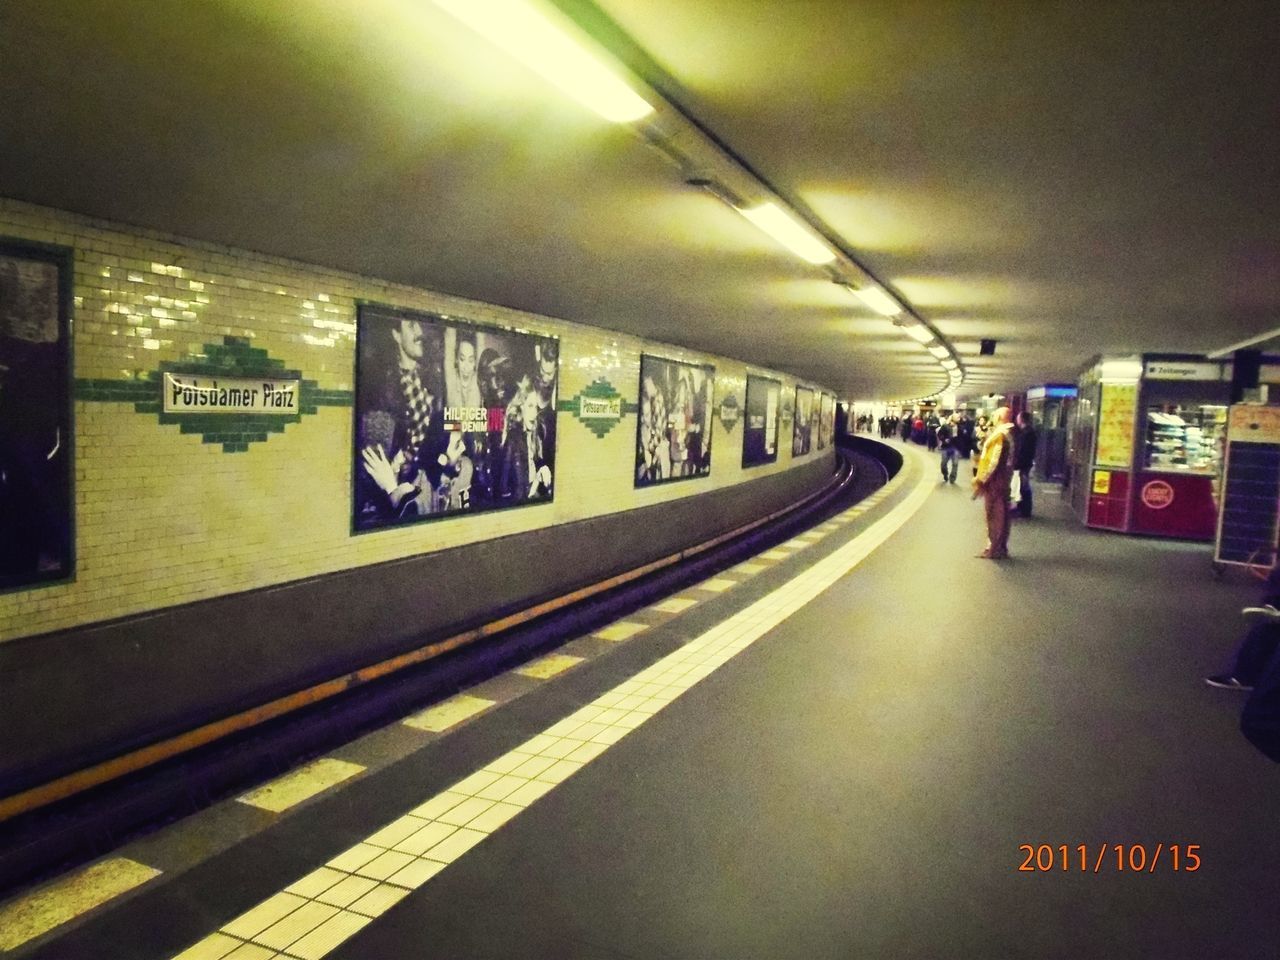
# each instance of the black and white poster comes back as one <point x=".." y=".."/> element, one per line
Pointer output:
<point x="826" y="420"/>
<point x="802" y="427"/>
<point x="35" y="416"/>
<point x="673" y="437"/>
<point x="450" y="417"/>
<point x="760" y="436"/>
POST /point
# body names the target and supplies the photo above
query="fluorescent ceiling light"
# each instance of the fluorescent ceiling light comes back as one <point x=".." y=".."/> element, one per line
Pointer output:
<point x="880" y="302"/>
<point x="948" y="363"/>
<point x="1120" y="370"/>
<point x="939" y="351"/>
<point x="528" y="36"/>
<point x="788" y="231"/>
<point x="918" y="332"/>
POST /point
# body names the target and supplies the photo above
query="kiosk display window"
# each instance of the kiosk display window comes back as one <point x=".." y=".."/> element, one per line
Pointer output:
<point x="1185" y="438"/>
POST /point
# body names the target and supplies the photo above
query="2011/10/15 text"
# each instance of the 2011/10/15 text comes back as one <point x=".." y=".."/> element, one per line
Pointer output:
<point x="1120" y="857"/>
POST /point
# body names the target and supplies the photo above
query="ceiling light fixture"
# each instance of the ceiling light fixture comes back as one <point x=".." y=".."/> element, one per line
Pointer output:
<point x="879" y="301"/>
<point x="547" y="50"/>
<point x="918" y="332"/>
<point x="939" y="351"/>
<point x="789" y="232"/>
<point x="1121" y="370"/>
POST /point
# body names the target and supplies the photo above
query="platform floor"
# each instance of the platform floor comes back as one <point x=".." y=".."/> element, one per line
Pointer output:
<point x="838" y="753"/>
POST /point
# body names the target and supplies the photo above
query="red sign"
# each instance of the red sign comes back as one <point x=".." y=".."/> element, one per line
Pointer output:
<point x="1157" y="494"/>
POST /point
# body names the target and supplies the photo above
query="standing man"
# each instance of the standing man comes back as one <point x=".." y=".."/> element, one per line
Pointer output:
<point x="992" y="480"/>
<point x="1025" y="458"/>
<point x="950" y="448"/>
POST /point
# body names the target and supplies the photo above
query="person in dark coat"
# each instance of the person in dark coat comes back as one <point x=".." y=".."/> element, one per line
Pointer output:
<point x="1024" y="440"/>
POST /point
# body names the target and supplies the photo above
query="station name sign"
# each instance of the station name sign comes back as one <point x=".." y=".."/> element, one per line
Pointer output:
<point x="186" y="393"/>
<point x="599" y="408"/>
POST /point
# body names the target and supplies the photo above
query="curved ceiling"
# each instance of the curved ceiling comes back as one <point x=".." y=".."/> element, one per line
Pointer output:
<point x="1067" y="179"/>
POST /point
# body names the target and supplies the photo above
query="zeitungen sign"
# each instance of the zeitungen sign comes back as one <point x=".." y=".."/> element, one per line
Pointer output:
<point x="184" y="393"/>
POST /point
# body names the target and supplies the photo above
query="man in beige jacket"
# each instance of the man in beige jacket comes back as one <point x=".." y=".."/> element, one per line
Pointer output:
<point x="992" y="479"/>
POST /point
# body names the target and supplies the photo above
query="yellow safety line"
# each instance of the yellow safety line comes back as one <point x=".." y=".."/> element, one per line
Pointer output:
<point x="81" y="780"/>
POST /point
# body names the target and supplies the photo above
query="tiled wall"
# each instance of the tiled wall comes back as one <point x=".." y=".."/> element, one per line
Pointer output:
<point x="163" y="518"/>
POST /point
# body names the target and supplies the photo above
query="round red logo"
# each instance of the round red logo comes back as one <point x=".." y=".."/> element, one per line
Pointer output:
<point x="1157" y="494"/>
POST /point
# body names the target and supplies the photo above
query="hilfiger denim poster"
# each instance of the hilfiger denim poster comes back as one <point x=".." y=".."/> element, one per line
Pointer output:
<point x="673" y="436"/>
<point x="760" y="433"/>
<point x="802" y="426"/>
<point x="450" y="417"/>
<point x="35" y="416"/>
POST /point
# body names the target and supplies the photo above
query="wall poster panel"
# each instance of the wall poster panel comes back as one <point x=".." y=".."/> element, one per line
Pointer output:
<point x="673" y="436"/>
<point x="826" y="420"/>
<point x="450" y="417"/>
<point x="802" y="427"/>
<point x="35" y="415"/>
<point x="760" y="433"/>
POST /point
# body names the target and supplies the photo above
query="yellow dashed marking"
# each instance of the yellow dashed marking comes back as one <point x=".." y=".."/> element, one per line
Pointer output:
<point x="775" y="554"/>
<point x="622" y="630"/>
<point x="301" y="784"/>
<point x="325" y="907"/>
<point x="39" y="912"/>
<point x="717" y="585"/>
<point x="674" y="605"/>
<point x="549" y="666"/>
<point x="445" y="715"/>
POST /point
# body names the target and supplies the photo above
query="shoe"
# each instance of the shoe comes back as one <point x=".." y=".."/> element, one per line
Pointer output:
<point x="984" y="555"/>
<point x="1267" y="610"/>
<point x="1226" y="682"/>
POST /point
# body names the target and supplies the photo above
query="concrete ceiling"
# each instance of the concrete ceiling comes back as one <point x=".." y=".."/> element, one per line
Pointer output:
<point x="1066" y="178"/>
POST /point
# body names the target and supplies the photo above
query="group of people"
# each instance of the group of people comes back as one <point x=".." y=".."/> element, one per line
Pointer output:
<point x="1001" y="450"/>
<point x="1002" y="453"/>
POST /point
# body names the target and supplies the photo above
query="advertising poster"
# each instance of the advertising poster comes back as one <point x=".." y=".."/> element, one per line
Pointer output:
<point x="802" y="428"/>
<point x="450" y="417"/>
<point x="760" y="434"/>
<point x="1116" y="415"/>
<point x="826" y="420"/>
<point x="673" y="437"/>
<point x="35" y="417"/>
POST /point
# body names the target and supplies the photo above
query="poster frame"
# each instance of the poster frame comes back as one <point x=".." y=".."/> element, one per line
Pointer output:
<point x="746" y="421"/>
<point x="388" y="311"/>
<point x="795" y="422"/>
<point x="826" y="420"/>
<point x="63" y="260"/>
<point x="710" y="370"/>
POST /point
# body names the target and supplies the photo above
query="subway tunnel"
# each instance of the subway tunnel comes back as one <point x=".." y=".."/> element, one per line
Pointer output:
<point x="470" y="479"/>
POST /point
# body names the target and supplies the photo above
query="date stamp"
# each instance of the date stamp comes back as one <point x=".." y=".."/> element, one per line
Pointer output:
<point x="1109" y="857"/>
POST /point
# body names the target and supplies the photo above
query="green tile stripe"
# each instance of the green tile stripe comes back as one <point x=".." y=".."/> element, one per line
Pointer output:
<point x="234" y="357"/>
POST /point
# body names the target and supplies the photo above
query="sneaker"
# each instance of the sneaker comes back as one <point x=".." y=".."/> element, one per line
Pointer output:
<point x="1268" y="611"/>
<point x="1225" y="681"/>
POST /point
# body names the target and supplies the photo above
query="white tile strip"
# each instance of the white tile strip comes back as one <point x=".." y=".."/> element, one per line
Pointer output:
<point x="326" y="907"/>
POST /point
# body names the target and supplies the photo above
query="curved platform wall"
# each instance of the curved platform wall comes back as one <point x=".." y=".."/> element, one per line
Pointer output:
<point x="209" y="579"/>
